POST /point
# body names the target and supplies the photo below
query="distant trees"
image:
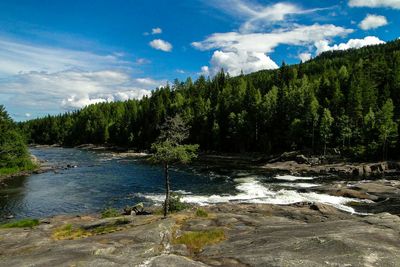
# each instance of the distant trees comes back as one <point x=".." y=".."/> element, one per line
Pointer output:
<point x="169" y="149"/>
<point x="387" y="128"/>
<point x="14" y="155"/>
<point x="343" y="99"/>
<point x="325" y="128"/>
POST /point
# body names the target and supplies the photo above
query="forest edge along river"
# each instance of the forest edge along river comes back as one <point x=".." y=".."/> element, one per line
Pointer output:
<point x="99" y="179"/>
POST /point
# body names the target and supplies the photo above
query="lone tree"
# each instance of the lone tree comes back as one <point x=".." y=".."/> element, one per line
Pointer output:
<point x="169" y="149"/>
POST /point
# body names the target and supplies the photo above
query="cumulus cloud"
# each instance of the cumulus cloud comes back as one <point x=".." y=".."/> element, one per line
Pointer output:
<point x="395" y="4"/>
<point x="247" y="52"/>
<point x="72" y="89"/>
<point x="161" y="45"/>
<point x="323" y="46"/>
<point x="373" y="22"/>
<point x="306" y="56"/>
<point x="76" y="102"/>
<point x="154" y="31"/>
<point x="205" y="70"/>
<point x="41" y="80"/>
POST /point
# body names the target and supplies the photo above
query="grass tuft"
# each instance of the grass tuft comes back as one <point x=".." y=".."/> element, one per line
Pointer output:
<point x="110" y="212"/>
<point x="196" y="241"/>
<point x="21" y="223"/>
<point x="201" y="213"/>
<point x="69" y="232"/>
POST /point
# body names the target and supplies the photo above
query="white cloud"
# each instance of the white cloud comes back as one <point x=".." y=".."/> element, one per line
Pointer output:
<point x="72" y="89"/>
<point x="395" y="4"/>
<point x="373" y="22"/>
<point x="161" y="45"/>
<point x="16" y="57"/>
<point x="323" y="46"/>
<point x="306" y="56"/>
<point x="156" y="31"/>
<point x="41" y="80"/>
<point x="142" y="61"/>
<point x="76" y="102"/>
<point x="205" y="70"/>
<point x="27" y="115"/>
<point x="241" y="61"/>
<point x="150" y="82"/>
<point x="256" y="16"/>
<point x="238" y="52"/>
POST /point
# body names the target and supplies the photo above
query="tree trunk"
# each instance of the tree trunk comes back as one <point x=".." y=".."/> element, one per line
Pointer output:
<point x="167" y="189"/>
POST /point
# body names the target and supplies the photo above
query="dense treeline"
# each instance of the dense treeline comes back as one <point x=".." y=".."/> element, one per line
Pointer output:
<point x="347" y="100"/>
<point x="14" y="155"/>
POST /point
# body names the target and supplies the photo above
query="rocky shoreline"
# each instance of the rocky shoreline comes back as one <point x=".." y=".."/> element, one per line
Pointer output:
<point x="303" y="234"/>
<point x="296" y="163"/>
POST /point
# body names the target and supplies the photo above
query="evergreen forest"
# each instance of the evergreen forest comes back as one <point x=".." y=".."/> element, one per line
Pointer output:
<point x="343" y="102"/>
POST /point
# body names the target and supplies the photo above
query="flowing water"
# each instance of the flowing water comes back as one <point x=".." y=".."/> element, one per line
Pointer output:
<point x="99" y="180"/>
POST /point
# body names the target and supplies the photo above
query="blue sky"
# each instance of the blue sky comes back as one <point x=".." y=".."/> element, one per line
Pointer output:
<point x="61" y="55"/>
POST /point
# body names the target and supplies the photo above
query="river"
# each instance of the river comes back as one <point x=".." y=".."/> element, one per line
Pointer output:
<point x="99" y="180"/>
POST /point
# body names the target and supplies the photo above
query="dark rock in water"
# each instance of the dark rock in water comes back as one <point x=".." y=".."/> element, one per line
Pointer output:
<point x="351" y="193"/>
<point x="301" y="159"/>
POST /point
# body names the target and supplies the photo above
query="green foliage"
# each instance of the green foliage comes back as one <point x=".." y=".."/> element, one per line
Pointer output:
<point x="175" y="203"/>
<point x="387" y="128"/>
<point x="325" y="127"/>
<point x="268" y="111"/>
<point x="24" y="223"/>
<point x="168" y="148"/>
<point x="201" y="213"/>
<point x="14" y="155"/>
<point x="110" y="212"/>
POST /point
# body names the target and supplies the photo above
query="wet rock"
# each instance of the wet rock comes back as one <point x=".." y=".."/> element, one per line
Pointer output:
<point x="351" y="193"/>
<point x="301" y="159"/>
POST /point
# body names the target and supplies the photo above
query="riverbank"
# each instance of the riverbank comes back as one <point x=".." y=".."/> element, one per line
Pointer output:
<point x="302" y="234"/>
<point x="38" y="166"/>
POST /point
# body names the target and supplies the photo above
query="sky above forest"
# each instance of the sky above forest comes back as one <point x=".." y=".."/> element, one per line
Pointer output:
<point x="58" y="56"/>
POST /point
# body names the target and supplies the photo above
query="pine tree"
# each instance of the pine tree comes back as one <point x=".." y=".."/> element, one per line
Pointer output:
<point x="325" y="127"/>
<point x="169" y="150"/>
<point x="387" y="128"/>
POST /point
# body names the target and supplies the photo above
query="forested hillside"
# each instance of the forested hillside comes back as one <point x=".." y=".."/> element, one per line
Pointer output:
<point x="348" y="100"/>
<point x="14" y="154"/>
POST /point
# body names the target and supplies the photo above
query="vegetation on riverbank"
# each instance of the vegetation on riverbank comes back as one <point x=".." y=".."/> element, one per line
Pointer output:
<point x="347" y="100"/>
<point x="24" y="223"/>
<point x="14" y="155"/>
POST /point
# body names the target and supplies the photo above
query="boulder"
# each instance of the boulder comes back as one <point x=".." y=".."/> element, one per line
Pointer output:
<point x="301" y="159"/>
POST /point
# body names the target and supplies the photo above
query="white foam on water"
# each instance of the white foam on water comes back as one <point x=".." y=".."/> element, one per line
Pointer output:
<point x="299" y="185"/>
<point x="183" y="192"/>
<point x="292" y="178"/>
<point x="252" y="191"/>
